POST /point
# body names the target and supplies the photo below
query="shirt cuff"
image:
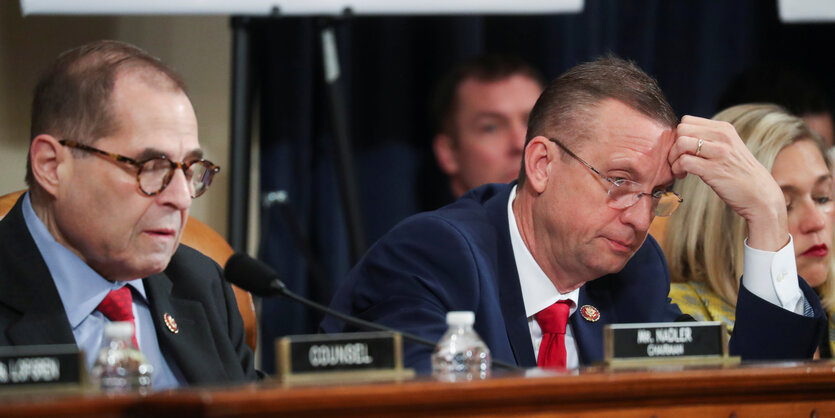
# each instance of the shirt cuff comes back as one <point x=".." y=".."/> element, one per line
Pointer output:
<point x="772" y="276"/>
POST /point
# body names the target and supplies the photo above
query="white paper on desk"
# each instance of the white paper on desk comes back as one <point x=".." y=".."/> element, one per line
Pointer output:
<point x="298" y="7"/>
<point x="798" y="11"/>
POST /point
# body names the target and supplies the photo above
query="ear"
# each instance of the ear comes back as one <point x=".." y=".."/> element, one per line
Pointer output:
<point x="446" y="154"/>
<point x="538" y="155"/>
<point x="46" y="156"/>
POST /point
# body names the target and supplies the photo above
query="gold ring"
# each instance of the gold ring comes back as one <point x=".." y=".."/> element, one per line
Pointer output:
<point x="699" y="147"/>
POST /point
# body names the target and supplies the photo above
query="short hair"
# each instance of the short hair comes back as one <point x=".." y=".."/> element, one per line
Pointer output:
<point x="72" y="97"/>
<point x="566" y="104"/>
<point x="795" y="91"/>
<point x="484" y="68"/>
<point x="705" y="242"/>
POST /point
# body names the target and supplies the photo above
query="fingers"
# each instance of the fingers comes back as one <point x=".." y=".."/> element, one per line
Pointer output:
<point x="682" y="145"/>
<point x="704" y="139"/>
<point x="690" y="145"/>
<point x="688" y="164"/>
<point x="707" y="129"/>
<point x="695" y="120"/>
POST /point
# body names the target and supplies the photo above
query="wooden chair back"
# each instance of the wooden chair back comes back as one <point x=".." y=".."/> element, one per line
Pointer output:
<point x="658" y="229"/>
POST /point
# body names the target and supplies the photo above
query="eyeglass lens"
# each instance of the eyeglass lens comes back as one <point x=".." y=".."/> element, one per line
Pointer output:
<point x="157" y="173"/>
<point x="627" y="193"/>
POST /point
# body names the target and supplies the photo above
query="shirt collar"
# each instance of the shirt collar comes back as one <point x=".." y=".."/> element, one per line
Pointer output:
<point x="80" y="288"/>
<point x="538" y="292"/>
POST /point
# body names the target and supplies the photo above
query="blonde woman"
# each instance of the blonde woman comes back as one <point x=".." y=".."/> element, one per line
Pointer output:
<point x="704" y="239"/>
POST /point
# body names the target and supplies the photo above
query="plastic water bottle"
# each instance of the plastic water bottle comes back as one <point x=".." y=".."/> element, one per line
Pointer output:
<point x="461" y="354"/>
<point x="120" y="367"/>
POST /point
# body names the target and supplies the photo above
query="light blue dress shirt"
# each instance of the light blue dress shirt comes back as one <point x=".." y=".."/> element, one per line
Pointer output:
<point x="82" y="289"/>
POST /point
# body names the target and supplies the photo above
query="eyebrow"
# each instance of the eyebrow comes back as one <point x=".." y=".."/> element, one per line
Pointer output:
<point x="629" y="169"/>
<point x="149" y="153"/>
<point x="823" y="178"/>
<point x="488" y="114"/>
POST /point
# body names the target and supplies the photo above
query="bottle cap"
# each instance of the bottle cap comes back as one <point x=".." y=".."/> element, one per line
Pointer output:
<point x="122" y="329"/>
<point x="460" y="318"/>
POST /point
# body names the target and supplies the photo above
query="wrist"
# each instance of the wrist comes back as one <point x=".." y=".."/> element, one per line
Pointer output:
<point x="768" y="228"/>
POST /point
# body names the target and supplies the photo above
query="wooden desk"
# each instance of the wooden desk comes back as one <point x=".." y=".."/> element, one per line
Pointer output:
<point x="800" y="389"/>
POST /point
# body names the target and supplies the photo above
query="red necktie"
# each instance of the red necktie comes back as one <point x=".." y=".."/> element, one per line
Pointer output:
<point x="553" y="320"/>
<point x="118" y="306"/>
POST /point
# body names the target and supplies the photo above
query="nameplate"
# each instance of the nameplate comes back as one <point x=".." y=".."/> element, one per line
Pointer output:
<point x="669" y="342"/>
<point x="41" y="365"/>
<point x="362" y="355"/>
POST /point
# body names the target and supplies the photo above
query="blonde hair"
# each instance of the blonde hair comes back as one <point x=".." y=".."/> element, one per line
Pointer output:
<point x="705" y="237"/>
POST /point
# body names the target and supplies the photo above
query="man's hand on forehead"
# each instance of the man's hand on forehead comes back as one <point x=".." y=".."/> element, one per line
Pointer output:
<point x="713" y="151"/>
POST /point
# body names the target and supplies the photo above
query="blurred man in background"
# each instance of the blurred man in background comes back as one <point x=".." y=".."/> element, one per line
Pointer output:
<point x="481" y="111"/>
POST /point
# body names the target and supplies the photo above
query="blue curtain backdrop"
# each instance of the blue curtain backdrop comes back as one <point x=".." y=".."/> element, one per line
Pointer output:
<point x="389" y="67"/>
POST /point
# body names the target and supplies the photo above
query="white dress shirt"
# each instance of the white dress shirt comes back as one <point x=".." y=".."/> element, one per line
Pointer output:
<point x="771" y="276"/>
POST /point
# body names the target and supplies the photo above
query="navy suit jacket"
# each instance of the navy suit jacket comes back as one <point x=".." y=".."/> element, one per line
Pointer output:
<point x="460" y="258"/>
<point x="210" y="347"/>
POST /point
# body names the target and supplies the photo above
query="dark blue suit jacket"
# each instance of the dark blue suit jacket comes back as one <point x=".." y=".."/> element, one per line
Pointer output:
<point x="459" y="258"/>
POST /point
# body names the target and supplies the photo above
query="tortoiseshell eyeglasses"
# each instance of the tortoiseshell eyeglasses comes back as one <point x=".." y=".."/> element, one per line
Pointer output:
<point x="154" y="174"/>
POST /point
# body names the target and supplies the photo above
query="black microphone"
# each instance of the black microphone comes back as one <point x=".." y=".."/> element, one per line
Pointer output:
<point x="685" y="318"/>
<point x="253" y="276"/>
<point x="260" y="280"/>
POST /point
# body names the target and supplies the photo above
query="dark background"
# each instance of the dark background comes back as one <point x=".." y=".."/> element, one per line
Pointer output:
<point x="390" y="64"/>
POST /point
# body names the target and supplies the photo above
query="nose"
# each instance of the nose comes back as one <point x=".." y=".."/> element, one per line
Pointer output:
<point x="178" y="193"/>
<point x="639" y="215"/>
<point x="810" y="217"/>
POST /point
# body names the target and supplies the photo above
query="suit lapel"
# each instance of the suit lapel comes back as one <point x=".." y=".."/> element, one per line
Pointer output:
<point x="41" y="327"/>
<point x="589" y="334"/>
<point x="192" y="348"/>
<point x="510" y="291"/>
<point x="28" y="288"/>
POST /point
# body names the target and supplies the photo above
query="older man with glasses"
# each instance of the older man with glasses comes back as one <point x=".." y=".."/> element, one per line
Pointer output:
<point x="114" y="163"/>
<point x="547" y="262"/>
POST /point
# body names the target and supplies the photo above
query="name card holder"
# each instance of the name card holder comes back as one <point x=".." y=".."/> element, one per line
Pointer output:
<point x="362" y="356"/>
<point x="666" y="343"/>
<point x="42" y="367"/>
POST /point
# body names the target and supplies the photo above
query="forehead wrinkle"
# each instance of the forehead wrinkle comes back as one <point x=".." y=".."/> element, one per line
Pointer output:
<point x="627" y="160"/>
<point x="634" y="143"/>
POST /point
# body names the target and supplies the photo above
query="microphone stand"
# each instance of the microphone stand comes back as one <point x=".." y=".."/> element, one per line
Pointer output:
<point x="370" y="325"/>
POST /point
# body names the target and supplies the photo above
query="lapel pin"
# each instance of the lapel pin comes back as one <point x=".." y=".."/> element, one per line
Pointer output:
<point x="590" y="313"/>
<point x="171" y="323"/>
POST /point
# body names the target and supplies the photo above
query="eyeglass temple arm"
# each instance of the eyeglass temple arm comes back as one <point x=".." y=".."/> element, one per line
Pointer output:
<point x="577" y="157"/>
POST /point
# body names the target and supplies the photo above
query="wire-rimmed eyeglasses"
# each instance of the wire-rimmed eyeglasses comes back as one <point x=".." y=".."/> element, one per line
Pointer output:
<point x="625" y="193"/>
<point x="154" y="174"/>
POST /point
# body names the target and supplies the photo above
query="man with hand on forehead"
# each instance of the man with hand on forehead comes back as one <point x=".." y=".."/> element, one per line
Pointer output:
<point x="547" y="262"/>
<point x="114" y="163"/>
